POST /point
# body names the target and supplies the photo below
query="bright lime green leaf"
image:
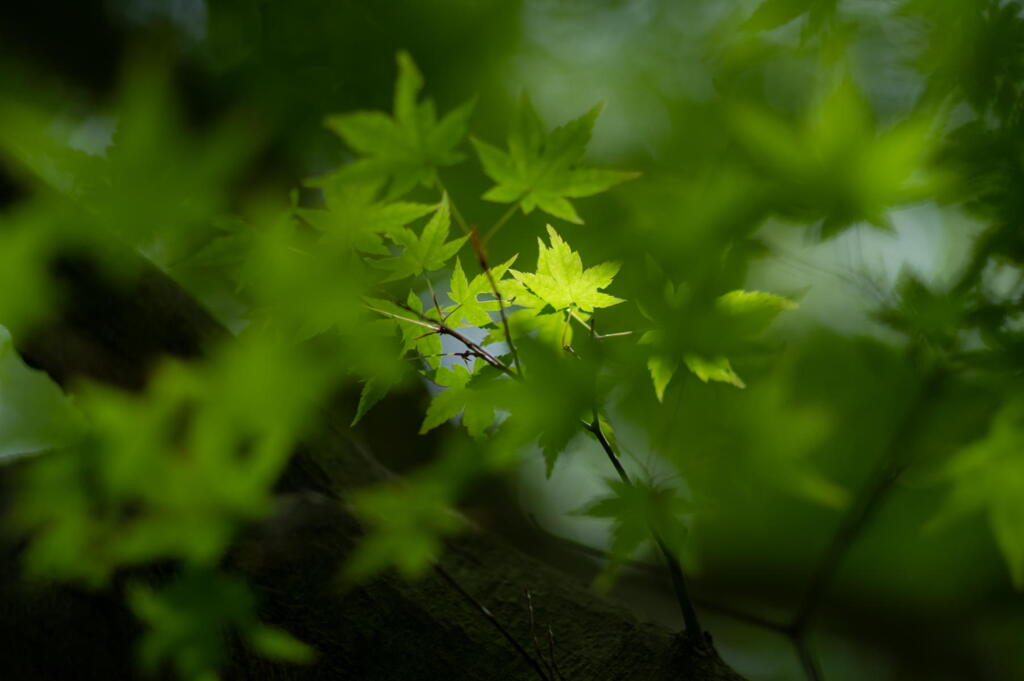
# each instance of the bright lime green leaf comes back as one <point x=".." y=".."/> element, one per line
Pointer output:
<point x="468" y="309"/>
<point x="988" y="475"/>
<point x="745" y="314"/>
<point x="662" y="370"/>
<point x="561" y="282"/>
<point x="753" y="310"/>
<point x="429" y="251"/>
<point x="407" y="148"/>
<point x="415" y="337"/>
<point x="353" y="216"/>
<point x="717" y="369"/>
<point x="553" y="328"/>
<point x="539" y="170"/>
<point x="477" y="412"/>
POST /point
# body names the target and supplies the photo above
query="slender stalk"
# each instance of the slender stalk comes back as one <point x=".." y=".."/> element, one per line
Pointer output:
<point x="400" y="318"/>
<point x="481" y="255"/>
<point x="505" y="217"/>
<point x="443" y="329"/>
<point x="594" y="334"/>
<point x="456" y="213"/>
<point x="887" y="471"/>
<point x="551" y="654"/>
<point x="807" y="659"/>
<point x="533" y="635"/>
<point x="675" y="569"/>
<point x="494" y="621"/>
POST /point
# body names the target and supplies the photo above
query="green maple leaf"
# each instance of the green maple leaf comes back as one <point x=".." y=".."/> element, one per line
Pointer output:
<point x="468" y="309"/>
<point x="637" y="512"/>
<point x="662" y="370"/>
<point x="561" y="282"/>
<point x="406" y="148"/>
<point x="374" y="390"/>
<point x="717" y="369"/>
<point x="415" y="338"/>
<point x="539" y="170"/>
<point x="477" y="412"/>
<point x="836" y="166"/>
<point x="745" y="313"/>
<point x="753" y="311"/>
<point x="354" y="216"/>
<point x="424" y="253"/>
<point x="988" y="475"/>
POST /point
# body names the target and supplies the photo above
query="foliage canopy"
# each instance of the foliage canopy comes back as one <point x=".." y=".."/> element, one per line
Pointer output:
<point x="667" y="331"/>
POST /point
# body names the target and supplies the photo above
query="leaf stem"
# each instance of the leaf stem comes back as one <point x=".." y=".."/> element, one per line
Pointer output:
<point x="594" y="334"/>
<point x="505" y="217"/>
<point x="481" y="255"/>
<point x="885" y="474"/>
<point x="689" y="613"/>
<point x="456" y="213"/>
<point x="443" y="329"/>
<point x="485" y="611"/>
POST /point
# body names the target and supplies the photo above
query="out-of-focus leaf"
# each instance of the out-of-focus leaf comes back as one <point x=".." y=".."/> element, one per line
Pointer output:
<point x="354" y="216"/>
<point x="638" y="513"/>
<point x="988" y="475"/>
<point x="717" y="369"/>
<point x="539" y="170"/>
<point x="408" y="147"/>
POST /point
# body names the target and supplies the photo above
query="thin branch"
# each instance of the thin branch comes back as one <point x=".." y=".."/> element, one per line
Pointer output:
<point x="887" y="471"/>
<point x="726" y="610"/>
<point x="456" y="213"/>
<point x="505" y="217"/>
<point x="433" y="297"/>
<point x="983" y="247"/>
<point x="400" y="318"/>
<point x="443" y="329"/>
<point x="594" y="334"/>
<point x="551" y="654"/>
<point x="690" y="619"/>
<point x="750" y="618"/>
<point x="807" y="659"/>
<point x="481" y="255"/>
<point x="494" y="621"/>
<point x="533" y="633"/>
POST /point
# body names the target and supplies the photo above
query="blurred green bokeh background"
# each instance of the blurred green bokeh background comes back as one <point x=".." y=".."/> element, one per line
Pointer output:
<point x="850" y="155"/>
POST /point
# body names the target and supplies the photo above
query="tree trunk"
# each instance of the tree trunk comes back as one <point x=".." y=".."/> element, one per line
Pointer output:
<point x="432" y="628"/>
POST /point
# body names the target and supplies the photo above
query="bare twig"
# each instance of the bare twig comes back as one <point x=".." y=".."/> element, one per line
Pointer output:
<point x="456" y="213"/>
<point x="887" y="471"/>
<point x="481" y="255"/>
<point x="594" y="334"/>
<point x="533" y="633"/>
<point x="551" y="654"/>
<point x="807" y="658"/>
<point x="494" y="621"/>
<point x="505" y="217"/>
<point x="690" y="619"/>
<point x="443" y="329"/>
